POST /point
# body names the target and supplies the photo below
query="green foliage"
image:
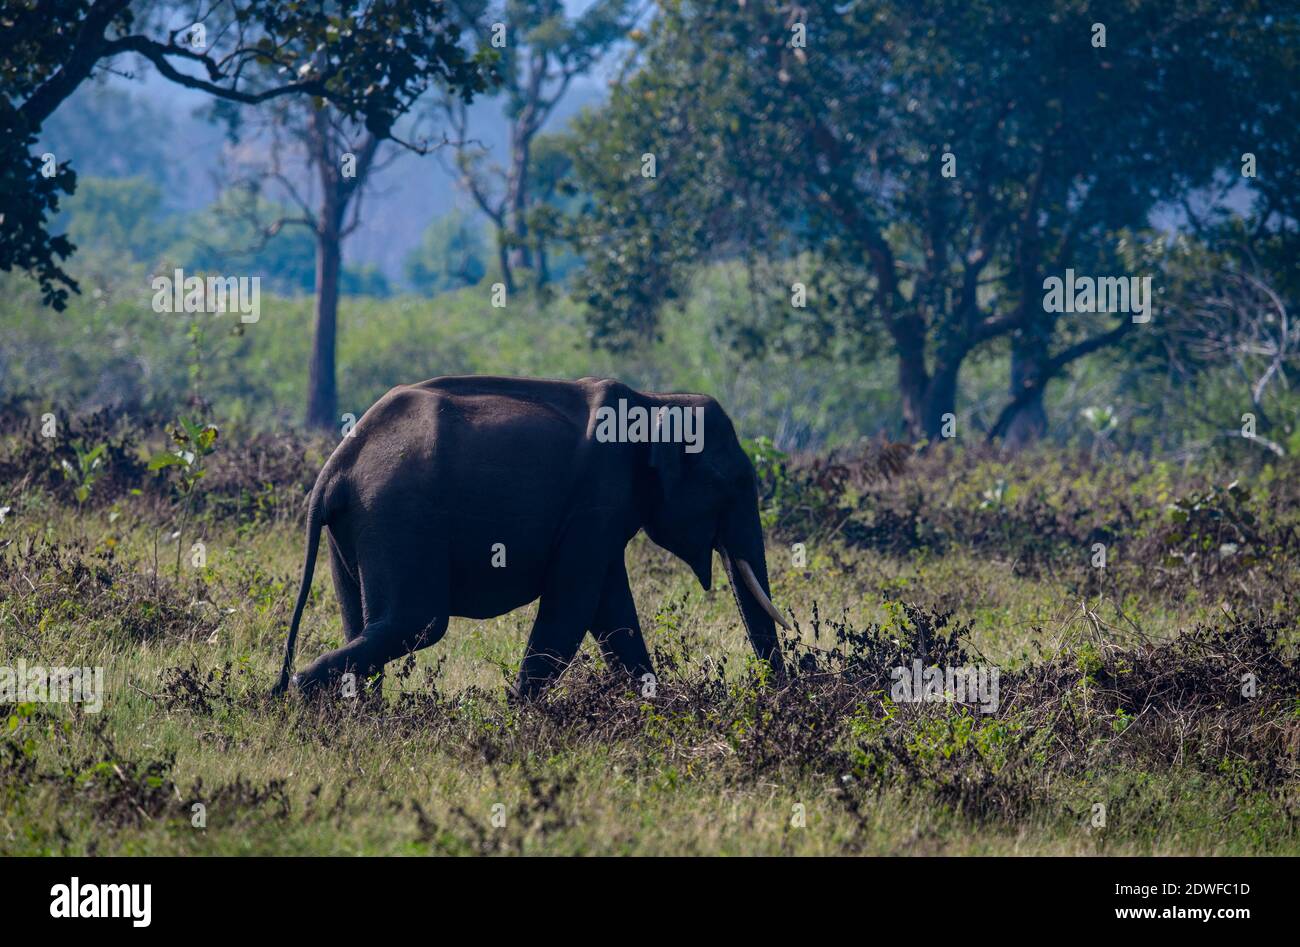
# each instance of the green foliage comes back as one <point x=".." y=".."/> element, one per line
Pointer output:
<point x="187" y="462"/>
<point x="770" y="468"/>
<point x="85" y="470"/>
<point x="366" y="280"/>
<point x="347" y="57"/>
<point x="194" y="443"/>
<point x="125" y="219"/>
<point x="229" y="235"/>
<point x="111" y="132"/>
<point x="764" y="150"/>
<point x="453" y="253"/>
<point x="114" y="350"/>
<point x="544" y="50"/>
<point x="817" y="495"/>
<point x="1209" y="527"/>
<point x="122" y="215"/>
<point x="1223" y="346"/>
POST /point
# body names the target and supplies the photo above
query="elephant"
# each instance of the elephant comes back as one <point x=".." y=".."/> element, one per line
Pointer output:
<point x="471" y="496"/>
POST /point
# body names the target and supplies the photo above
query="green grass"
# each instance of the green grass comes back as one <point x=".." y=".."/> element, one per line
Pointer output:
<point x="281" y="778"/>
<point x="716" y="762"/>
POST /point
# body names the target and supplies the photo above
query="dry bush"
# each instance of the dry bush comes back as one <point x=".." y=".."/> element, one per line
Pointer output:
<point x="42" y="581"/>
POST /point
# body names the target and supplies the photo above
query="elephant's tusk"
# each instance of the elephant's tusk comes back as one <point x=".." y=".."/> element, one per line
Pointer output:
<point x="756" y="590"/>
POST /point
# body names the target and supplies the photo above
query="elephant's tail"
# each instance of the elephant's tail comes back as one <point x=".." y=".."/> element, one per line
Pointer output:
<point x="315" y="521"/>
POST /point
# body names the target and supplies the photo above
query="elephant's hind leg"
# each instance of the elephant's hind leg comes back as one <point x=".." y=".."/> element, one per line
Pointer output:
<point x="367" y="653"/>
<point x="348" y="591"/>
<point x="390" y="563"/>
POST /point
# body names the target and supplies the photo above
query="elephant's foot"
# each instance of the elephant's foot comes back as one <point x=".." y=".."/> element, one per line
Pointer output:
<point x="324" y="680"/>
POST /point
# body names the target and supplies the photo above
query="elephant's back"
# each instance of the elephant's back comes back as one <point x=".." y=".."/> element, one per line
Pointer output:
<point x="469" y="450"/>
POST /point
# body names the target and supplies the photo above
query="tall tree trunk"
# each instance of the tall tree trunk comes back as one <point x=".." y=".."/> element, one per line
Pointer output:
<point x="1026" y="422"/>
<point x="941" y="400"/>
<point x="927" y="405"/>
<point x="516" y="204"/>
<point x="913" y="376"/>
<point x="543" y="268"/>
<point x="927" y="395"/>
<point x="322" y="404"/>
<point x="326" y="146"/>
<point x="503" y="260"/>
<point x="927" y="398"/>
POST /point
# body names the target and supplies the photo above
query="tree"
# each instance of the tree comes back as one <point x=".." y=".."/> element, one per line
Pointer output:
<point x="231" y="232"/>
<point x="1231" y="322"/>
<point x="114" y="134"/>
<point x="920" y="167"/>
<point x="121" y="214"/>
<point x="368" y="60"/>
<point x="553" y="202"/>
<point x="337" y="157"/>
<point x="542" y="51"/>
<point x="452" y="254"/>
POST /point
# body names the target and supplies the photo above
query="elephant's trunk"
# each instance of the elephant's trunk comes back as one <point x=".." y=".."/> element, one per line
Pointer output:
<point x="741" y="548"/>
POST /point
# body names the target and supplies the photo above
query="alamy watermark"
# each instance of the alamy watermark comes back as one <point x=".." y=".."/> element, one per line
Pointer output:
<point x="132" y="901"/>
<point x="962" y="685"/>
<point x="671" y="424"/>
<point x="58" y="685"/>
<point x="1099" y="294"/>
<point x="215" y="294"/>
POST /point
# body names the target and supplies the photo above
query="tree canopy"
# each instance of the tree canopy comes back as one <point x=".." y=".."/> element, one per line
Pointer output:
<point x="919" y="167"/>
<point x="369" y="60"/>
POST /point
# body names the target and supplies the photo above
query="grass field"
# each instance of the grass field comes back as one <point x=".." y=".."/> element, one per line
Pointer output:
<point x="1110" y="696"/>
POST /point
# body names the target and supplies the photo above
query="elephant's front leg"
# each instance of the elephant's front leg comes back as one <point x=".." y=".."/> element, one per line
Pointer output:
<point x="568" y="607"/>
<point x="551" y="646"/>
<point x="617" y="629"/>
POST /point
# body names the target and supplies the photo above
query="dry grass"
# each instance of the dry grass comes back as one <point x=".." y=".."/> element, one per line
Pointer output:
<point x="1125" y="693"/>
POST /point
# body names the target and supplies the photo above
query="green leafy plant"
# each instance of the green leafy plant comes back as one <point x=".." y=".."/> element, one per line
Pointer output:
<point x="87" y="469"/>
<point x="84" y="473"/>
<point x="1212" y="528"/>
<point x="194" y="442"/>
<point x="770" y="465"/>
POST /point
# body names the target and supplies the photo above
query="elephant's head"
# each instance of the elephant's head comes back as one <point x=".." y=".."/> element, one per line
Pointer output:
<point x="705" y="498"/>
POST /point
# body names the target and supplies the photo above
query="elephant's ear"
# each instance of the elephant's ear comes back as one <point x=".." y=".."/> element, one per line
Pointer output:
<point x="667" y="460"/>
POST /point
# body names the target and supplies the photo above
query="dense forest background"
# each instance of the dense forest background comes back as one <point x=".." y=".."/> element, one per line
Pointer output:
<point x="838" y="220"/>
